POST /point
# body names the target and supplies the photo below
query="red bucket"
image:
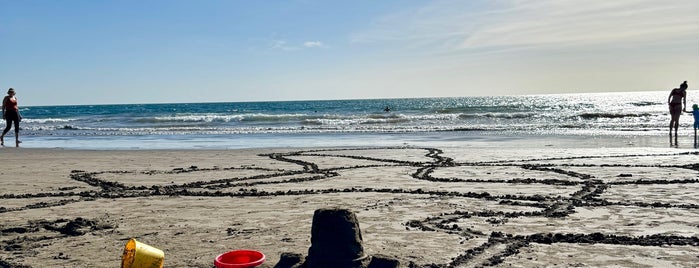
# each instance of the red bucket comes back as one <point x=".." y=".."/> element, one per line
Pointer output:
<point x="242" y="258"/>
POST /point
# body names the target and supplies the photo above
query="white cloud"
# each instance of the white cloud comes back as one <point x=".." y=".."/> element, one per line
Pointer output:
<point x="285" y="46"/>
<point x="313" y="44"/>
<point x="535" y="46"/>
<point x="576" y="23"/>
<point x="282" y="45"/>
<point x="449" y="26"/>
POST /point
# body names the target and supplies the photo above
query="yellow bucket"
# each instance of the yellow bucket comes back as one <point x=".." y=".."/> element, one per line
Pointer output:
<point x="139" y="255"/>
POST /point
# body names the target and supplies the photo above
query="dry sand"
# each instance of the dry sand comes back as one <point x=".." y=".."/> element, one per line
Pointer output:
<point x="427" y="207"/>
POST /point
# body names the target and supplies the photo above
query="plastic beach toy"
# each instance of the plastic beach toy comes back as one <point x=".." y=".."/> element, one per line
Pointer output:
<point x="242" y="258"/>
<point x="140" y="255"/>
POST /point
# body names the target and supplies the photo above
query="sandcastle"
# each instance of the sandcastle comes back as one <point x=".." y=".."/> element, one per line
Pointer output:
<point x="336" y="241"/>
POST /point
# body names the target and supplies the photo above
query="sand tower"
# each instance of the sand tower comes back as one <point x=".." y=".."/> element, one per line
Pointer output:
<point x="336" y="241"/>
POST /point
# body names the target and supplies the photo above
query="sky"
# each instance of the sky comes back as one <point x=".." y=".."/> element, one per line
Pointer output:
<point x="176" y="51"/>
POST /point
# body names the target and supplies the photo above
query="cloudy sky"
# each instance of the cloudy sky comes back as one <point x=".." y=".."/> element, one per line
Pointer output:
<point x="164" y="51"/>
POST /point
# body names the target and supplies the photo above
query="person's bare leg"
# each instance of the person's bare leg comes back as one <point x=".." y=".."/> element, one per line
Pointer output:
<point x="4" y="132"/>
<point x="677" y="145"/>
<point x="672" y="122"/>
<point x="17" y="141"/>
<point x="671" y="139"/>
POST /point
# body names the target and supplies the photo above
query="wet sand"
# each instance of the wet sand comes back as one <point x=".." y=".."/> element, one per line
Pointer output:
<point x="465" y="206"/>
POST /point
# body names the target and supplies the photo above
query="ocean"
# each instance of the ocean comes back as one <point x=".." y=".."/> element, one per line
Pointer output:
<point x="629" y="116"/>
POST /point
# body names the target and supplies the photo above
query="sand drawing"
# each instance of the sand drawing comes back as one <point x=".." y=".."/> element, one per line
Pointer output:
<point x="522" y="211"/>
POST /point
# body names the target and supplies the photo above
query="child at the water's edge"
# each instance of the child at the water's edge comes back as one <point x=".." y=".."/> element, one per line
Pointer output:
<point x="695" y="113"/>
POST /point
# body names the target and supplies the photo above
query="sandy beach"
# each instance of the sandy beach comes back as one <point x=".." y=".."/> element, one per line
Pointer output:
<point x="349" y="134"/>
<point x="467" y="206"/>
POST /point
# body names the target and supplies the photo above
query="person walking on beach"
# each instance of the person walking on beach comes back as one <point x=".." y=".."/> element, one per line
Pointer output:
<point x="10" y="112"/>
<point x="677" y="101"/>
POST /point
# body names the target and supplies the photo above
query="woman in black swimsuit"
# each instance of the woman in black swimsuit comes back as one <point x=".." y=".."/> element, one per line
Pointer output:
<point x="678" y="103"/>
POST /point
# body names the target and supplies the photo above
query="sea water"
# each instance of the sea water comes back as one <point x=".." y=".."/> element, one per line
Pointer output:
<point x="413" y="121"/>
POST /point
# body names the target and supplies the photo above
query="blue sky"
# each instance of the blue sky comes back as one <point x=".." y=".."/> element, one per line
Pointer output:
<point x="158" y="51"/>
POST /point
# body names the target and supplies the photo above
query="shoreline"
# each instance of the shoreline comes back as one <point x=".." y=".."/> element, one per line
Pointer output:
<point x="441" y="139"/>
<point x="79" y="207"/>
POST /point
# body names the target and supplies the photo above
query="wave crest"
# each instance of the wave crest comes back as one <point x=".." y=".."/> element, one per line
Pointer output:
<point x="610" y="115"/>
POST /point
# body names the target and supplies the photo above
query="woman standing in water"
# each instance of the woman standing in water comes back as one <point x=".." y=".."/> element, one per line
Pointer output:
<point x="10" y="112"/>
<point x="678" y="103"/>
